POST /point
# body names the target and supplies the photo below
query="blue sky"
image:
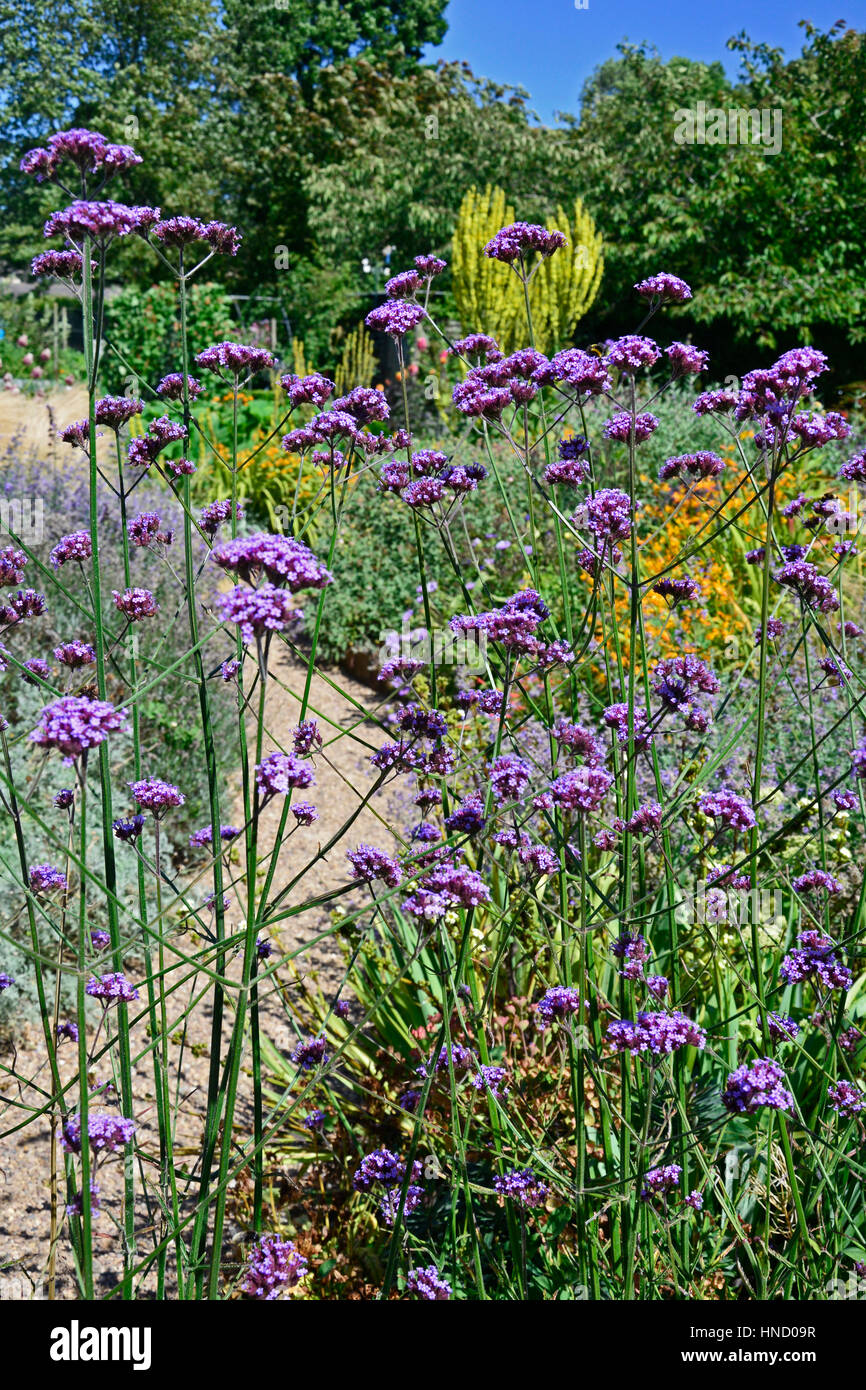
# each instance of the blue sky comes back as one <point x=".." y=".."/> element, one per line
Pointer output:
<point x="550" y="48"/>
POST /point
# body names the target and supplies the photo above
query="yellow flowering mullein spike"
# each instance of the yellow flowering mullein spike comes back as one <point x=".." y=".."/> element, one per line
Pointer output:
<point x="487" y="294"/>
<point x="565" y="285"/>
<point x="357" y="365"/>
<point x="490" y="297"/>
<point x="300" y="366"/>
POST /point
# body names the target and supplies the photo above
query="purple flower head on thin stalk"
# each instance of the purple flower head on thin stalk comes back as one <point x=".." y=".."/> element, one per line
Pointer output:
<point x="676" y="591"/>
<point x="457" y="1059"/>
<point x="428" y="1284"/>
<point x="429" y="266"/>
<point x="468" y="818"/>
<point x="67" y="1029"/>
<point x="812" y="588"/>
<point x="107" y="1132"/>
<point x="756" y="1086"/>
<point x="89" y="150"/>
<point x="781" y="1028"/>
<point x="256" y="611"/>
<point x="304" y="812"/>
<point x="646" y="820"/>
<point x="75" y="654"/>
<point x="155" y="795"/>
<point x="556" y="1005"/>
<point x="607" y="514"/>
<point x="404" y="285"/>
<point x="657" y="986"/>
<point x="694" y="1200"/>
<point x="575" y="371"/>
<point x="396" y="318"/>
<point x="686" y="360"/>
<point x="280" y="559"/>
<point x="110" y="988"/>
<point x="146" y="529"/>
<point x="382" y="1167"/>
<point x="816" y="881"/>
<point x="814" y="958"/>
<point x="363" y="404"/>
<point x="99" y="940"/>
<point x="846" y="1098"/>
<point x="619" y="426"/>
<point x="180" y="467"/>
<point x="315" y="1121"/>
<point x="116" y="411"/>
<point x="659" y="1181"/>
<point x="369" y="864"/>
<point x="76" y="546"/>
<point x="581" y="790"/>
<point x="64" y="265"/>
<point x="514" y="625"/>
<point x="280" y="773"/>
<point x="76" y="1206"/>
<point x="520" y="240"/>
<point x="306" y="738"/>
<point x="310" y="1053"/>
<point x="234" y="359"/>
<point x="570" y="468"/>
<point x="135" y="604"/>
<point x="617" y="717"/>
<point x="273" y="1265"/>
<point x="308" y="390"/>
<point x="458" y="885"/>
<point x="12" y="565"/>
<point x="128" y="830"/>
<point x="665" y="288"/>
<point x="212" y="517"/>
<point x="509" y="777"/>
<point x="222" y="238"/>
<point x="658" y="1033"/>
<point x="25" y="604"/>
<point x="522" y="1186"/>
<point x="171" y="387"/>
<point x="631" y="948"/>
<point x="76" y="723"/>
<point x="490" y="1080"/>
<point x="44" y="878"/>
<point x="100" y="221"/>
<point x="391" y="1200"/>
<point x="692" y="467"/>
<point x="64" y="799"/>
<point x="731" y="812"/>
<point x="77" y="434"/>
<point x="200" y="838"/>
<point x="633" y="352"/>
<point x="479" y="345"/>
<point x="775" y="628"/>
<point x="817" y="430"/>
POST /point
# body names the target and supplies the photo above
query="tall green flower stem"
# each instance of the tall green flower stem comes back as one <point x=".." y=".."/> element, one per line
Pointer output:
<point x="757" y="963"/>
<point x="123" y="1042"/>
<point x="214" y="1097"/>
<point x="238" y="1035"/>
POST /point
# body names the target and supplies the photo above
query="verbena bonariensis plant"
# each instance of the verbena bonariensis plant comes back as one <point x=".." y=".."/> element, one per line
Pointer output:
<point x="599" y="1026"/>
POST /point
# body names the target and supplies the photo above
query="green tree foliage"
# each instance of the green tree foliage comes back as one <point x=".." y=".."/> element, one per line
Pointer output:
<point x="773" y="244"/>
<point x="313" y="125"/>
<point x="146" y="74"/>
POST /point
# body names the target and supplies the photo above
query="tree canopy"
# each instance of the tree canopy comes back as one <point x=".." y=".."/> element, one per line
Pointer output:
<point x="315" y="126"/>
